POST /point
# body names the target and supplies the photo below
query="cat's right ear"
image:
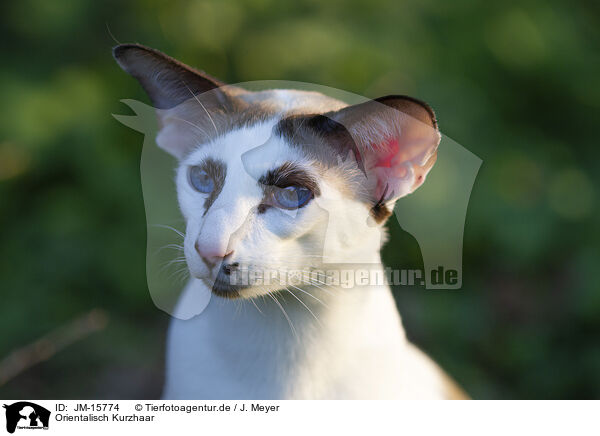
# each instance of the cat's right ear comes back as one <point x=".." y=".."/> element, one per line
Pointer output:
<point x="167" y="81"/>
<point x="170" y="85"/>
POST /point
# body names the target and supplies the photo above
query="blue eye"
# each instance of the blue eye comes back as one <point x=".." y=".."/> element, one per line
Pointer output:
<point x="201" y="180"/>
<point x="292" y="197"/>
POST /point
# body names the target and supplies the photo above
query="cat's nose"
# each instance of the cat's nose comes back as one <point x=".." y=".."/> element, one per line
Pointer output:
<point x="212" y="255"/>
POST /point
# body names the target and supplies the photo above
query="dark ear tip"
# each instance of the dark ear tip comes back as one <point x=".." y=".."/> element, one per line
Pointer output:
<point x="405" y="98"/>
<point x="126" y="55"/>
<point x="119" y="51"/>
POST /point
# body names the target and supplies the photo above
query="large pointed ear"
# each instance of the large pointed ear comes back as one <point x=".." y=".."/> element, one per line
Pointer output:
<point x="188" y="101"/>
<point x="167" y="81"/>
<point x="394" y="140"/>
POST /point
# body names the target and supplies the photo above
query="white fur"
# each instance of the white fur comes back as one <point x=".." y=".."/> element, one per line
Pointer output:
<point x="357" y="350"/>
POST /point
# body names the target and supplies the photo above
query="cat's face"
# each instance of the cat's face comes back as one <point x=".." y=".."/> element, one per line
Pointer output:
<point x="255" y="205"/>
<point x="279" y="182"/>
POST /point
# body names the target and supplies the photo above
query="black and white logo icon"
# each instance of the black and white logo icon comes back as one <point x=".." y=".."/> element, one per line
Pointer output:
<point x="26" y="415"/>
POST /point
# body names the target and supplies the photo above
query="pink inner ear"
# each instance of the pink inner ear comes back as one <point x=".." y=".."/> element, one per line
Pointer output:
<point x="388" y="169"/>
<point x="391" y="148"/>
<point x="398" y="170"/>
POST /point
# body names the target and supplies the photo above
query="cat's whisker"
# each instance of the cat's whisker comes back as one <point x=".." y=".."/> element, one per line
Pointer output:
<point x="170" y="246"/>
<point x="164" y="226"/>
<point x="205" y="110"/>
<point x="177" y="259"/>
<point x="309" y="281"/>
<point x="316" y="280"/>
<point x="308" y="293"/>
<point x="184" y="275"/>
<point x="238" y="308"/>
<point x="285" y="314"/>
<point x="319" y="287"/>
<point x="295" y="270"/>
<point x="301" y="290"/>
<point x="255" y="305"/>
<point x="312" y="281"/>
<point x="180" y="274"/>
<point x="204" y="134"/>
<point x="303" y="304"/>
<point x="171" y="262"/>
<point x="298" y="128"/>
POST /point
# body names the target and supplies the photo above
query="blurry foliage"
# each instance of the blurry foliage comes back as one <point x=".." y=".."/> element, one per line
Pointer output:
<point x="517" y="84"/>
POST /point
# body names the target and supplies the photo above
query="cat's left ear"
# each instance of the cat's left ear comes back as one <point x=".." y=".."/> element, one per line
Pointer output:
<point x="394" y="140"/>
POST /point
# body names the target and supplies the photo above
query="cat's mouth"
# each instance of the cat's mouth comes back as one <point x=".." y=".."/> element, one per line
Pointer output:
<point x="233" y="281"/>
<point x="223" y="286"/>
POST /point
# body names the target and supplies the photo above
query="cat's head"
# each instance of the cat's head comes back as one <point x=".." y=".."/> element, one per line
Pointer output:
<point x="280" y="180"/>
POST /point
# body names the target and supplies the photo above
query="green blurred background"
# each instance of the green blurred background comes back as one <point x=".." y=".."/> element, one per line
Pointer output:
<point x="516" y="84"/>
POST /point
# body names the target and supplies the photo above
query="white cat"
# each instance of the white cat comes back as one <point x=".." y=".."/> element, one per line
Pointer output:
<point x="287" y="180"/>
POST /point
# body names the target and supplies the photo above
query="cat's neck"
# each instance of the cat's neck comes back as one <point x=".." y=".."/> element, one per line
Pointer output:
<point x="287" y="342"/>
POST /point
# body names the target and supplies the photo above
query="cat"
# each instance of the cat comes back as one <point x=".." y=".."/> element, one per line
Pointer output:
<point x="287" y="180"/>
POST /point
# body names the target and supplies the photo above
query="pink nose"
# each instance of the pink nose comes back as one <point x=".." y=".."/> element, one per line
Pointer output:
<point x="211" y="253"/>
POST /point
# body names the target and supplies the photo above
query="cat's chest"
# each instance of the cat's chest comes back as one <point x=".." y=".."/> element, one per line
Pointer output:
<point x="249" y="355"/>
<point x="320" y="369"/>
